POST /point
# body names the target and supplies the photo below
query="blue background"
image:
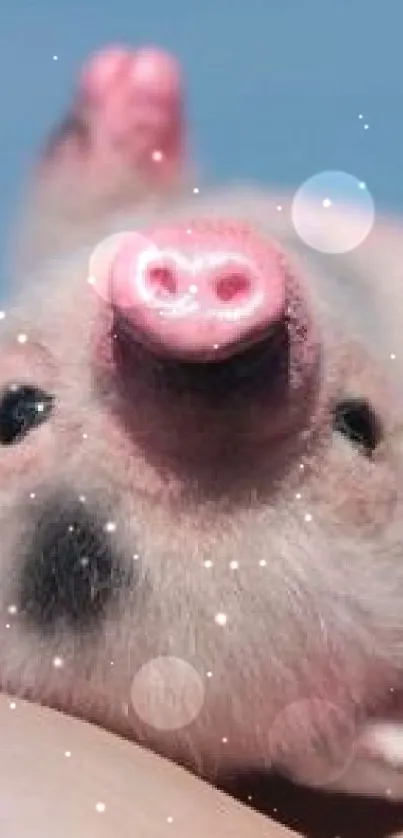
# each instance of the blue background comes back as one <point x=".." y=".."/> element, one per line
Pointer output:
<point x="275" y="87"/>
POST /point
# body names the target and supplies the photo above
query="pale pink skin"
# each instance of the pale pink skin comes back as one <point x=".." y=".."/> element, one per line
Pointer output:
<point x="191" y="484"/>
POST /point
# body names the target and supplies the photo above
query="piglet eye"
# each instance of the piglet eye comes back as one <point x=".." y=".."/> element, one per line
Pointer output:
<point x="357" y="420"/>
<point x="22" y="408"/>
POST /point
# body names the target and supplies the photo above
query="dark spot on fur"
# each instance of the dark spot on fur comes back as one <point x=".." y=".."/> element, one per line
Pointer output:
<point x="72" y="573"/>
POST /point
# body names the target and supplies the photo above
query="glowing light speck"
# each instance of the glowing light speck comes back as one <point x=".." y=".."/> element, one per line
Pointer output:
<point x="100" y="807"/>
<point x="2" y="315"/>
<point x="110" y="526"/>
<point x="234" y="565"/>
<point x="58" y="662"/>
<point x="22" y="338"/>
<point x="221" y="619"/>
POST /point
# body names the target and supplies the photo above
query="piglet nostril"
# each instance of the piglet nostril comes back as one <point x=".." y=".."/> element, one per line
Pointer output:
<point x="233" y="287"/>
<point x="161" y="280"/>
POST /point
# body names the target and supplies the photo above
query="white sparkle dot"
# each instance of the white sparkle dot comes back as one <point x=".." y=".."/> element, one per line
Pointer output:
<point x="100" y="807"/>
<point x="2" y="315"/>
<point x="111" y="663"/>
<point x="67" y="754"/>
<point x="110" y="526"/>
<point x="170" y="819"/>
<point x="208" y="563"/>
<point x="71" y="528"/>
<point x="193" y="289"/>
<point x="85" y="436"/>
<point x="157" y="156"/>
<point x="58" y="662"/>
<point x="298" y="496"/>
<point x="188" y="232"/>
<point x="7" y="625"/>
<point x="209" y="674"/>
<point x="393" y="357"/>
<point x="216" y="346"/>
<point x="91" y="280"/>
<point x="308" y="517"/>
<point x="224" y="740"/>
<point x="234" y="565"/>
<point x="32" y="495"/>
<point x="135" y="556"/>
<point x="362" y="185"/>
<point x="326" y="203"/>
<point x="12" y="609"/>
<point x="55" y="57"/>
<point x="279" y="208"/>
<point x="22" y="338"/>
<point x="84" y="561"/>
<point x="196" y="190"/>
<point x="12" y="705"/>
<point x="366" y="127"/>
<point x="301" y="465"/>
<point x="221" y="619"/>
<point x="82" y="498"/>
<point x="360" y="116"/>
<point x="263" y="563"/>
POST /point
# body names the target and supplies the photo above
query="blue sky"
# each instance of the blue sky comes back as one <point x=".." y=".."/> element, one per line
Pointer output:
<point x="275" y="87"/>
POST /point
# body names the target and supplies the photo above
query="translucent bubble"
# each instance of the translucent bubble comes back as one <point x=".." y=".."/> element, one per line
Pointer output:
<point x="103" y="257"/>
<point x="323" y="735"/>
<point x="333" y="212"/>
<point x="167" y="693"/>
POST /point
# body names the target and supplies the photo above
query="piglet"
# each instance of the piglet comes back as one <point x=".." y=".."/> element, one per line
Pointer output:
<point x="201" y="479"/>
